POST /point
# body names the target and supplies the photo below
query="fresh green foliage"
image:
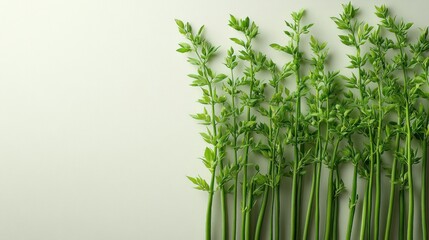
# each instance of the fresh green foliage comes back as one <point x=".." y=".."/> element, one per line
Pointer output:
<point x="263" y="137"/>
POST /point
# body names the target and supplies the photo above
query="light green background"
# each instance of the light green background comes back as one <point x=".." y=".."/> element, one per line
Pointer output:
<point x="95" y="136"/>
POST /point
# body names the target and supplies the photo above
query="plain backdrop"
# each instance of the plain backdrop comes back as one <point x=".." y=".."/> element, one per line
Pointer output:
<point x="95" y="135"/>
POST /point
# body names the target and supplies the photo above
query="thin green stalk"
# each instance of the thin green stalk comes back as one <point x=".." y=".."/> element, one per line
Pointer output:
<point x="352" y="203"/>
<point x="402" y="216"/>
<point x="378" y="165"/>
<point x="298" y="205"/>
<point x="358" y="32"/>
<point x="364" y="212"/>
<point x="293" y="198"/>
<point x="317" y="207"/>
<point x="323" y="155"/>
<point x="234" y="117"/>
<point x="223" y="203"/>
<point x="335" y="222"/>
<point x="423" y="201"/>
<point x="368" y="193"/>
<point x="392" y="184"/>
<point x="410" y="224"/>
<point x="209" y="210"/>
<point x="247" y="219"/>
<point x="244" y="187"/>
<point x="273" y="205"/>
<point x="212" y="181"/>
<point x="203" y="50"/>
<point x="336" y="206"/>
<point x="245" y="232"/>
<point x="330" y="194"/>
<point x="294" y="210"/>
<point x="261" y="213"/>
<point x="312" y="192"/>
<point x="277" y="196"/>
<point x="224" y="207"/>
<point x="371" y="180"/>
<point x="277" y="218"/>
<point x="295" y="180"/>
<point x="272" y="141"/>
<point x="234" y="225"/>
<point x="310" y="203"/>
<point x="272" y="213"/>
<point x="329" y="206"/>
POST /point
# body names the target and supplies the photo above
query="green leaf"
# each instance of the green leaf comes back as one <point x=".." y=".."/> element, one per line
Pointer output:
<point x="209" y="155"/>
<point x="199" y="80"/>
<point x="179" y="23"/>
<point x="238" y="41"/>
<point x="219" y="78"/>
<point x="200" y="183"/>
<point x="208" y="139"/>
<point x="200" y="31"/>
<point x="194" y="61"/>
<point x="184" y="47"/>
<point x="277" y="47"/>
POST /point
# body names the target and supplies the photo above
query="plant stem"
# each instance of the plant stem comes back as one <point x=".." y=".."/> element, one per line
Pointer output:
<point x="329" y="206"/>
<point x="364" y="212"/>
<point x="371" y="177"/>
<point x="366" y="216"/>
<point x="277" y="218"/>
<point x="277" y="196"/>
<point x="336" y="205"/>
<point x="246" y="157"/>
<point x="410" y="227"/>
<point x="295" y="179"/>
<point x="224" y="207"/>
<point x="273" y="193"/>
<point x="402" y="216"/>
<point x="324" y="155"/>
<point x="317" y="207"/>
<point x="410" y="182"/>
<point x="209" y="210"/>
<point x="234" y="226"/>
<point x="247" y="219"/>
<point x="273" y="133"/>
<point x="298" y="206"/>
<point x="234" y="119"/>
<point x="330" y="194"/>
<point x="310" y="203"/>
<point x="313" y="189"/>
<point x="378" y="165"/>
<point x="423" y="201"/>
<point x="294" y="209"/>
<point x="392" y="184"/>
<point x="261" y="213"/>
<point x="352" y="203"/>
<point x="263" y="207"/>
<point x="212" y="181"/>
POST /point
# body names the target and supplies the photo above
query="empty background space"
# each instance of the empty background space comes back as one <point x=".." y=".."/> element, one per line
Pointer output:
<point x="95" y="135"/>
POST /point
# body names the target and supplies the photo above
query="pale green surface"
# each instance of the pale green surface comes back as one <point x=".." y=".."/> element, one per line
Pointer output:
<point x="95" y="136"/>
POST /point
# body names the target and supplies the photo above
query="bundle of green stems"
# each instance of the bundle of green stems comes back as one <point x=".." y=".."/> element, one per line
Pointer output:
<point x="281" y="135"/>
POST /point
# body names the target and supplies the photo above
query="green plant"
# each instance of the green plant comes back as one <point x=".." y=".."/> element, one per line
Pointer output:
<point x="296" y="30"/>
<point x="263" y="135"/>
<point x="206" y="80"/>
<point x="357" y="35"/>
<point x="255" y="63"/>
